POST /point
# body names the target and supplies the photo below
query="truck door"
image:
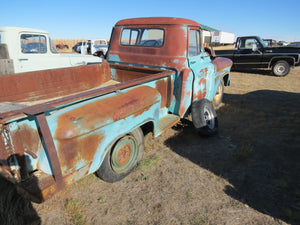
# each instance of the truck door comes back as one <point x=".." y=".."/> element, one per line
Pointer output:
<point x="246" y="56"/>
<point x="32" y="53"/>
<point x="36" y="53"/>
<point x="200" y="64"/>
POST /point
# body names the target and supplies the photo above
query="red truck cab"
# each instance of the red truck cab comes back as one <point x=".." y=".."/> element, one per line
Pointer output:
<point x="176" y="44"/>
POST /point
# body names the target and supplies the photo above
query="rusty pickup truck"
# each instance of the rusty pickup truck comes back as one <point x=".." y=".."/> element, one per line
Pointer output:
<point x="57" y="126"/>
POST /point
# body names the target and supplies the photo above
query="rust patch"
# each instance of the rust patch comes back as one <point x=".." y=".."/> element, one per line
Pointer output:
<point x="19" y="153"/>
<point x="124" y="155"/>
<point x="163" y="88"/>
<point x="94" y="115"/>
<point x="201" y="92"/>
<point x="141" y="111"/>
<point x="30" y="140"/>
<point x="77" y="150"/>
<point x="221" y="63"/>
<point x="45" y="84"/>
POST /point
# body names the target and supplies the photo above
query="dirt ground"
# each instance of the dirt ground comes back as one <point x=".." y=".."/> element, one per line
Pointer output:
<point x="247" y="174"/>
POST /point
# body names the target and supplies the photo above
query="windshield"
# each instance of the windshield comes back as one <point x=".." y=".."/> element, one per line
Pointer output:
<point x="100" y="42"/>
<point x="153" y="37"/>
<point x="52" y="47"/>
<point x="262" y="42"/>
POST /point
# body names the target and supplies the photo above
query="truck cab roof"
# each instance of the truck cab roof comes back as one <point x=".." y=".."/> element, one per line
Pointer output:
<point x="22" y="29"/>
<point x="158" y="21"/>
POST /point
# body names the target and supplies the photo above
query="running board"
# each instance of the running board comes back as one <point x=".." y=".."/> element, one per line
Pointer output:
<point x="166" y="123"/>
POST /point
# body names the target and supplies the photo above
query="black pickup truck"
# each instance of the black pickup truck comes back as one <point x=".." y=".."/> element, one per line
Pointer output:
<point x="252" y="52"/>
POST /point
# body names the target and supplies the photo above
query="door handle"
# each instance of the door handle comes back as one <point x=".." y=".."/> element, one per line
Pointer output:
<point x="193" y="62"/>
<point x="23" y="59"/>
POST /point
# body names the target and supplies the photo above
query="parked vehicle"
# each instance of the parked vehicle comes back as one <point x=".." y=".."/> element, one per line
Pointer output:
<point x="60" y="125"/>
<point x="76" y="47"/>
<point x="26" y="49"/>
<point x="222" y="38"/>
<point x="96" y="47"/>
<point x="251" y="52"/>
<point x="282" y="43"/>
<point x="294" y="44"/>
<point x="270" y="42"/>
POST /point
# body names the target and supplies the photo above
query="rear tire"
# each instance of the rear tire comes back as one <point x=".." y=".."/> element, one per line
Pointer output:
<point x="123" y="157"/>
<point x="281" y="68"/>
<point x="204" y="117"/>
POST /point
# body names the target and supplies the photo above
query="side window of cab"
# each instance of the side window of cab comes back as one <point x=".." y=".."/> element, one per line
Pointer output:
<point x="194" y="43"/>
<point x="33" y="44"/>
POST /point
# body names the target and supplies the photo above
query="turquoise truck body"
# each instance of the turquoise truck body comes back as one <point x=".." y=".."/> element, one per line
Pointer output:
<point x="60" y="125"/>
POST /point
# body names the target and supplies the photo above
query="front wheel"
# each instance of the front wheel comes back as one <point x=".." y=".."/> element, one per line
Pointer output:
<point x="219" y="95"/>
<point x="281" y="68"/>
<point x="123" y="157"/>
<point x="204" y="117"/>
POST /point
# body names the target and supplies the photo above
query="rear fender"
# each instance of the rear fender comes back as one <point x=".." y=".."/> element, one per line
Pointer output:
<point x="289" y="59"/>
<point x="83" y="132"/>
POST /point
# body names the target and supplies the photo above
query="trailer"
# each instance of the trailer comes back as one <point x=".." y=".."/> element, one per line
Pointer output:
<point x="221" y="37"/>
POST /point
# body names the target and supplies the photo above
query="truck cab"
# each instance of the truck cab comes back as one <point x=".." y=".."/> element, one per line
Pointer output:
<point x="32" y="50"/>
<point x="176" y="44"/>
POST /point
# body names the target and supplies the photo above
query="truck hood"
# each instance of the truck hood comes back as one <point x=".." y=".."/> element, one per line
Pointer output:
<point x="77" y="59"/>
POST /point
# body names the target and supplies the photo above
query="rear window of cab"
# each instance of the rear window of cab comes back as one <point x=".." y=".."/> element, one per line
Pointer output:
<point x="142" y="37"/>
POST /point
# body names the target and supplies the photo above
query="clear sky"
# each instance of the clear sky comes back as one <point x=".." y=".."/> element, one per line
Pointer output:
<point x="277" y="19"/>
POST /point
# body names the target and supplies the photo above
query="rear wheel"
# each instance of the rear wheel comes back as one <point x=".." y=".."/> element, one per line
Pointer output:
<point x="123" y="157"/>
<point x="281" y="68"/>
<point x="204" y="117"/>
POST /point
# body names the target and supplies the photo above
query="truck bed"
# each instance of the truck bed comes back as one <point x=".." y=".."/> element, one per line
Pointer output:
<point x="59" y="86"/>
<point x="106" y="84"/>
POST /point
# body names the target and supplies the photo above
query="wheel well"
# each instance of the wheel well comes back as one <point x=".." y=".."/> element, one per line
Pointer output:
<point x="147" y="128"/>
<point x="290" y="61"/>
<point x="226" y="79"/>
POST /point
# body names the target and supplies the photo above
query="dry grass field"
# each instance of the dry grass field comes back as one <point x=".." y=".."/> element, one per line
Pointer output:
<point x="247" y="174"/>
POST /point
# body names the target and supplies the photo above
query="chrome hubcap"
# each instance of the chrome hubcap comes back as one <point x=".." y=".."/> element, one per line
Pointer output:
<point x="209" y="118"/>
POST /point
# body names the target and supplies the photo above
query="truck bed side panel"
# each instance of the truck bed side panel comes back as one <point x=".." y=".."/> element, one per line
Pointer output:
<point x="47" y="84"/>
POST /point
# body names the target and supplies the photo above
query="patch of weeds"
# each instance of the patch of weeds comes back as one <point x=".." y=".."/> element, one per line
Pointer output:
<point x="101" y="200"/>
<point x="132" y="209"/>
<point x="125" y="181"/>
<point x="242" y="153"/>
<point x="73" y="208"/>
<point x="148" y="163"/>
<point x="88" y="202"/>
<point x="146" y="199"/>
<point x="142" y="177"/>
<point x="199" y="220"/>
<point x="88" y="180"/>
<point x="189" y="195"/>
<point x="129" y="222"/>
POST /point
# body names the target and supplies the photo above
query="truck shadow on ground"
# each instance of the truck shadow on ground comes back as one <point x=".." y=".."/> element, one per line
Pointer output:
<point x="14" y="208"/>
<point x="256" y="151"/>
